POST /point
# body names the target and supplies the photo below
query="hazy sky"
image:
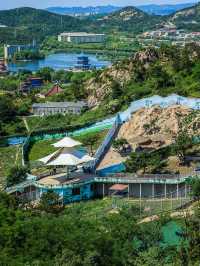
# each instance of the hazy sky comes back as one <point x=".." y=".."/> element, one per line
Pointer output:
<point x="6" y="4"/>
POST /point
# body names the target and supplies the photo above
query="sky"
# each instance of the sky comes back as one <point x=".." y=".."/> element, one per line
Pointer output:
<point x="47" y="3"/>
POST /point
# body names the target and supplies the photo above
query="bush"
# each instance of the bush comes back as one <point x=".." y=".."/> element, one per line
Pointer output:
<point x="16" y="175"/>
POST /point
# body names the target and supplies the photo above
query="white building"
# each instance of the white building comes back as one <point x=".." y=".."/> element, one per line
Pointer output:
<point x="10" y="50"/>
<point x="81" y="37"/>
<point x="52" y="108"/>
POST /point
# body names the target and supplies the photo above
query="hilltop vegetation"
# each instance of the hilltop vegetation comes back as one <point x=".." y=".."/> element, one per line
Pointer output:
<point x="88" y="234"/>
<point x="128" y="19"/>
<point x="152" y="71"/>
<point x="26" y="24"/>
<point x="188" y="18"/>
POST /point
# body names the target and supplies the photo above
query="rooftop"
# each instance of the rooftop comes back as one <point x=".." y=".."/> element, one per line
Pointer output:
<point x="59" y="104"/>
<point x="80" y="34"/>
<point x="54" y="90"/>
<point x="61" y="179"/>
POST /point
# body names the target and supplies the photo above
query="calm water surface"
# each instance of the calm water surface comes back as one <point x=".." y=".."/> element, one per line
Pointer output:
<point x="57" y="61"/>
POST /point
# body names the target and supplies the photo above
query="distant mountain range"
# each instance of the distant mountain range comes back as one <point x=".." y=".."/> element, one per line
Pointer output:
<point x="99" y="10"/>
<point x="84" y="10"/>
<point x="164" y="10"/>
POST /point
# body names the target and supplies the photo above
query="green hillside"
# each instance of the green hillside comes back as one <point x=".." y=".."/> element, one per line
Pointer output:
<point x="188" y="18"/>
<point x="26" y="24"/>
<point x="128" y="19"/>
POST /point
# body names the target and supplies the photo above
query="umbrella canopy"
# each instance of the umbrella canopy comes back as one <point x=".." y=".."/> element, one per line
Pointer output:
<point x="66" y="157"/>
<point x="66" y="143"/>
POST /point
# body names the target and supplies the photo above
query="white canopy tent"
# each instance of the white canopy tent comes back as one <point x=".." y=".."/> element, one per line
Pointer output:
<point x="67" y="155"/>
<point x="66" y="143"/>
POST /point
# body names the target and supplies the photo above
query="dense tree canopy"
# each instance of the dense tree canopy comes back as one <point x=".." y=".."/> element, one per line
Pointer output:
<point x="31" y="237"/>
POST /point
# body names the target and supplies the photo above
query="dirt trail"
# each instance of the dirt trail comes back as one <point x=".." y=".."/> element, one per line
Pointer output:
<point x="26" y="124"/>
<point x="17" y="154"/>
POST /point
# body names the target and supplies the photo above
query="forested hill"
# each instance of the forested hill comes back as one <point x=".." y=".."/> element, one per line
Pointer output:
<point x="26" y="24"/>
<point x="129" y="19"/>
<point x="188" y="18"/>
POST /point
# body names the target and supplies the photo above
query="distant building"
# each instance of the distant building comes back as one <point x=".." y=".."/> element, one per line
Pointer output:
<point x="10" y="50"/>
<point x="81" y="37"/>
<point x="53" y="91"/>
<point x="31" y="83"/>
<point x="83" y="63"/>
<point x="3" y="68"/>
<point x="52" y="108"/>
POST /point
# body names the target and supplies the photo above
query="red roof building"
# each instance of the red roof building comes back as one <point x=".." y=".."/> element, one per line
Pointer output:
<point x="118" y="187"/>
<point x="55" y="90"/>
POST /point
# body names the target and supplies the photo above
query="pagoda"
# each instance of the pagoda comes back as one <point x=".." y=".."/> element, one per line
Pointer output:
<point x="54" y="90"/>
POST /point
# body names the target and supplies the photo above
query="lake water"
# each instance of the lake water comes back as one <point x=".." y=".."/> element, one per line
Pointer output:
<point x="58" y="61"/>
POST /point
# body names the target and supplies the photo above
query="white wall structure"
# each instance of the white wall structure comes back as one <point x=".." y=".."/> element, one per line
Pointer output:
<point x="51" y="108"/>
<point x="81" y="37"/>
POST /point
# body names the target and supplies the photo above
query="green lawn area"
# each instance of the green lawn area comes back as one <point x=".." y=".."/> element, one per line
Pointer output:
<point x="9" y="156"/>
<point x="40" y="149"/>
<point x="92" y="208"/>
<point x="48" y="122"/>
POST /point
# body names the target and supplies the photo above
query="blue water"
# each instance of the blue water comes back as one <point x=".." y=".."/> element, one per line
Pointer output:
<point x="57" y="61"/>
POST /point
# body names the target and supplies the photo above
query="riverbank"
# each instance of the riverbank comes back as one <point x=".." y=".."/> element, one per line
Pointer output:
<point x="115" y="47"/>
<point x="58" y="61"/>
<point x="105" y="54"/>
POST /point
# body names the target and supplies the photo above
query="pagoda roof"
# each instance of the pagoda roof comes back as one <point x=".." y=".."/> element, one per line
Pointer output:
<point x="54" y="90"/>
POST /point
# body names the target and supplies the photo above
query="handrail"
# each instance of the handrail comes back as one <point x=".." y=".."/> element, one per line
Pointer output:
<point x="106" y="143"/>
<point x="97" y="179"/>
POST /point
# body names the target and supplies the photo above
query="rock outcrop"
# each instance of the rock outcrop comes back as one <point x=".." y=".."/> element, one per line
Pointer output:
<point x="153" y="128"/>
<point x="100" y="87"/>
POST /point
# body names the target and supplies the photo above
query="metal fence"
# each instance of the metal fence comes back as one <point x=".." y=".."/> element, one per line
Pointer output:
<point x="155" y="205"/>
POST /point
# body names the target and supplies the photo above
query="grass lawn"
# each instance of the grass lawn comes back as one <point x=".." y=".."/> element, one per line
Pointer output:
<point x="91" y="208"/>
<point x="56" y="121"/>
<point x="40" y="149"/>
<point x="9" y="156"/>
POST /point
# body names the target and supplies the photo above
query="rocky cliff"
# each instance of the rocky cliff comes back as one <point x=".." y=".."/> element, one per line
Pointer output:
<point x="100" y="87"/>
